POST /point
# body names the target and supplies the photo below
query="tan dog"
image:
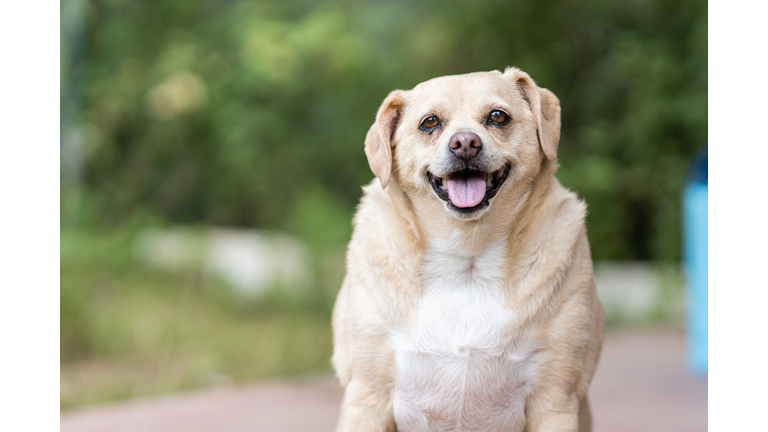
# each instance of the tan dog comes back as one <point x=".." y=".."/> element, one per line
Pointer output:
<point x="469" y="302"/>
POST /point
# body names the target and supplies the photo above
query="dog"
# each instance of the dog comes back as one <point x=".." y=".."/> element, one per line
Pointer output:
<point x="469" y="301"/>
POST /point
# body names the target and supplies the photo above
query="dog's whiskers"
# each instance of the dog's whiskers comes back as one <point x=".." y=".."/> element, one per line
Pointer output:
<point x="525" y="176"/>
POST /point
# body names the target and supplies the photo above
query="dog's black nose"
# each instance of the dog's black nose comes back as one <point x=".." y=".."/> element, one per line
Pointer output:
<point x="465" y="145"/>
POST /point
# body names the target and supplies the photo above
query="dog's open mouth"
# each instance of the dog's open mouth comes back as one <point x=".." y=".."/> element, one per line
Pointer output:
<point x="468" y="190"/>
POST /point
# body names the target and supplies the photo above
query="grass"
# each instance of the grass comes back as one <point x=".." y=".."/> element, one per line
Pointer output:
<point x="128" y="331"/>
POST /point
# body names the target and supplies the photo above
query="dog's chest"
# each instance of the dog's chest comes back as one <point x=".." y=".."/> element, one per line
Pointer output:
<point x="457" y="367"/>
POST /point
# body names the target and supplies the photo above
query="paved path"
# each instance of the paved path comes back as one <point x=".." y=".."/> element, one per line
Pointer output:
<point x="641" y="384"/>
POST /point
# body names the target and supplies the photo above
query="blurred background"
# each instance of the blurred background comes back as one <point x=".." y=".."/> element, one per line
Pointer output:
<point x="212" y="158"/>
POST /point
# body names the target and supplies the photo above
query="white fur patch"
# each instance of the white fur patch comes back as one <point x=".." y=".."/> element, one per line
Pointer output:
<point x="456" y="371"/>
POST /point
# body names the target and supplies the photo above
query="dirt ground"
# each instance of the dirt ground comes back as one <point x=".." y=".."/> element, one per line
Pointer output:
<point x="641" y="384"/>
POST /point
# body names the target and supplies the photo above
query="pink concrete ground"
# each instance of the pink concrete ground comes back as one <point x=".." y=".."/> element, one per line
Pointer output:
<point x="641" y="384"/>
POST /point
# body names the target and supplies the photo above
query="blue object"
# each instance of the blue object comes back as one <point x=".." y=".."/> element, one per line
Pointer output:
<point x="695" y="253"/>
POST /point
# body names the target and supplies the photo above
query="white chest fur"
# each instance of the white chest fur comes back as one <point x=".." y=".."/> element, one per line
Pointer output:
<point x="456" y="369"/>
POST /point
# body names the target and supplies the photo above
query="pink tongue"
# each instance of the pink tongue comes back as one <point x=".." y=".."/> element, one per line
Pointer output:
<point x="466" y="191"/>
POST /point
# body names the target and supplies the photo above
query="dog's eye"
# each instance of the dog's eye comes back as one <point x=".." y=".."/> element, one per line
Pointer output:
<point x="430" y="122"/>
<point x="498" y="117"/>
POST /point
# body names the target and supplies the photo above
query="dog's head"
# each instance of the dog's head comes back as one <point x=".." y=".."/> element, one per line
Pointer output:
<point x="463" y="142"/>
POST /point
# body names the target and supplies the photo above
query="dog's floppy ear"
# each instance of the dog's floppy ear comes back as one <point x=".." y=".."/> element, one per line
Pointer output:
<point x="545" y="108"/>
<point x="378" y="142"/>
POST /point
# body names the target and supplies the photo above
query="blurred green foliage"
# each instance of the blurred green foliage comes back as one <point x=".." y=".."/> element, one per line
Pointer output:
<point x="254" y="113"/>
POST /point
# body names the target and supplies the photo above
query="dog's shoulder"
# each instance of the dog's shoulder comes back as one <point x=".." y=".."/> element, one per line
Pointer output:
<point x="375" y="209"/>
<point x="385" y="245"/>
<point x="563" y="205"/>
<point x="552" y="240"/>
<point x="385" y="221"/>
<point x="559" y="219"/>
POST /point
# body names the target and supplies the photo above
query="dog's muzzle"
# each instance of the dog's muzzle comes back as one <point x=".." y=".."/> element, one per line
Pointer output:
<point x="469" y="190"/>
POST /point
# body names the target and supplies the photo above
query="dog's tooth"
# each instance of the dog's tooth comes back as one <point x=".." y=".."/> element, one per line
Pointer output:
<point x="489" y="180"/>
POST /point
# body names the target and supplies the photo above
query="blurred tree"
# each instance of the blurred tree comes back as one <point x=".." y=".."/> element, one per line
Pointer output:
<point x="254" y="113"/>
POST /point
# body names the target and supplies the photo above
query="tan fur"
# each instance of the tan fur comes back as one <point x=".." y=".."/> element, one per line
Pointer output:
<point x="548" y="270"/>
<point x="378" y="142"/>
